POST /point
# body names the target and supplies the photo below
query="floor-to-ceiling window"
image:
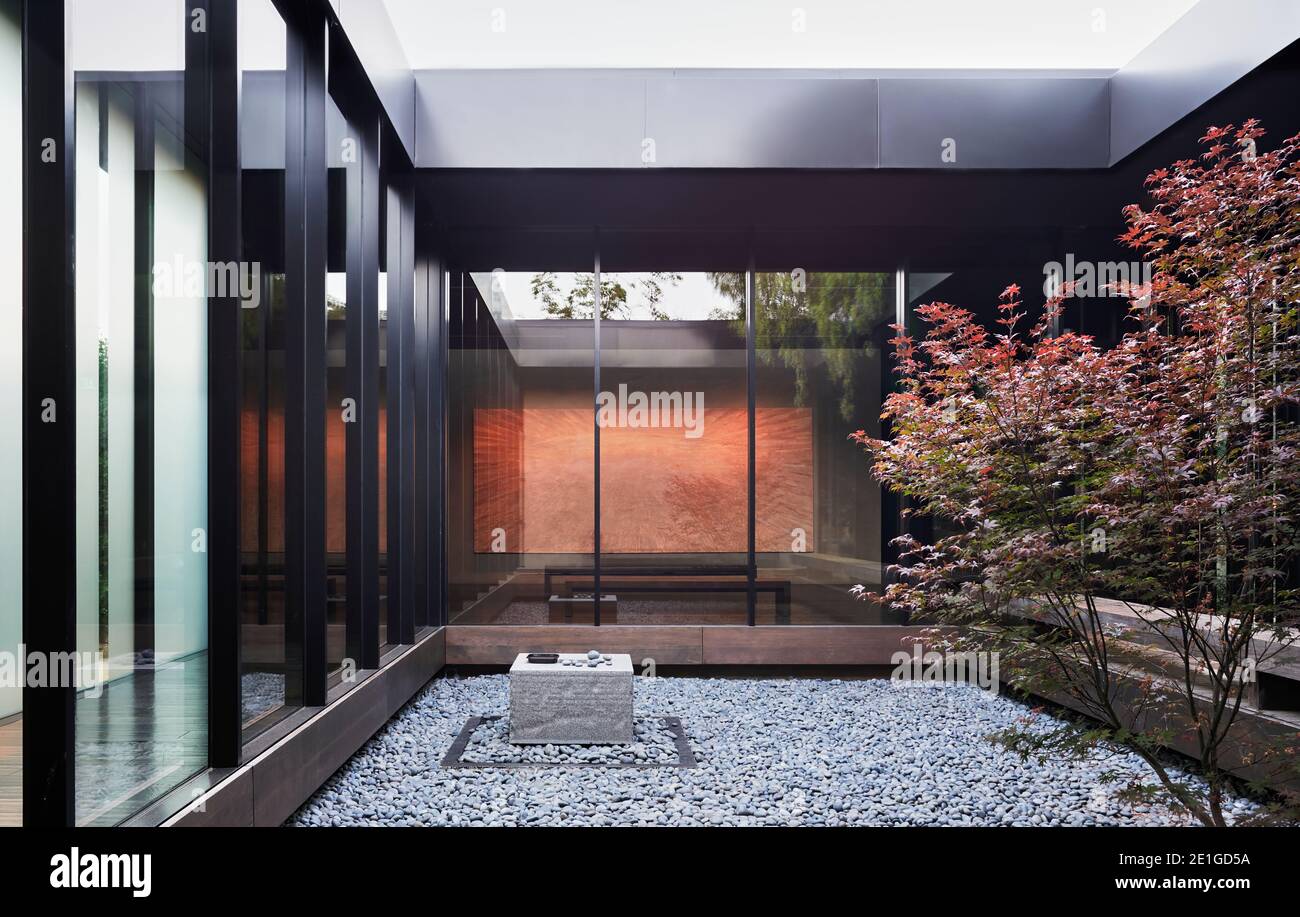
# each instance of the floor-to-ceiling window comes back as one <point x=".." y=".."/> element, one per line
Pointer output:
<point x="141" y="424"/>
<point x="271" y="657"/>
<point x="822" y="365"/>
<point x="11" y="426"/>
<point x="520" y="444"/>
<point x="718" y="393"/>
<point x="674" y="445"/>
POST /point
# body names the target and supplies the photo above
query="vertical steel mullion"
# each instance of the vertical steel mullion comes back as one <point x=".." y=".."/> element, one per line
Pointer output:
<point x="263" y="443"/>
<point x="306" y="207"/>
<point x="421" y="471"/>
<point x="294" y="348"/>
<point x="595" y="417"/>
<point x="396" y="409"/>
<point x="219" y="98"/>
<point x="368" y="585"/>
<point x="315" y="225"/>
<point x="440" y="347"/>
<point x="392" y="565"/>
<point x="751" y="377"/>
<point x="406" y="303"/>
<point x="142" y="400"/>
<point x="892" y="505"/>
<point x="358" y="360"/>
<point x="49" y="410"/>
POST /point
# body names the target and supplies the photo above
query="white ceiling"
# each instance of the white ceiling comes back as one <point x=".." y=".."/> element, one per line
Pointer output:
<point x="766" y="34"/>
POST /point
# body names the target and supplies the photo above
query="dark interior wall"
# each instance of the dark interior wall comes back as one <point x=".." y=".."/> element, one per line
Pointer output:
<point x="873" y="219"/>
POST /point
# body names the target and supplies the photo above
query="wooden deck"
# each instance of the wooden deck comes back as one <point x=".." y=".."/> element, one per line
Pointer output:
<point x="11" y="773"/>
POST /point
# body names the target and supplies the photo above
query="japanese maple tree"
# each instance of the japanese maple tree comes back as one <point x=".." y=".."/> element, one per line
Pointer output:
<point x="1120" y="525"/>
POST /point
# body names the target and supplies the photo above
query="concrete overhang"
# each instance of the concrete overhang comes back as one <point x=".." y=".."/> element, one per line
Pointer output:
<point x="983" y="117"/>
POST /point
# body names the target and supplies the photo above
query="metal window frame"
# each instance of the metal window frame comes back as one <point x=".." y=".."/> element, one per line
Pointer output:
<point x="306" y="207"/>
<point x="220" y="94"/>
<point x="49" y="372"/>
<point x="49" y="376"/>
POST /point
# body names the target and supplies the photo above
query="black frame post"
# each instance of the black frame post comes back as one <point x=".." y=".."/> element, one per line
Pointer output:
<point x="596" y="596"/>
<point x="142" y="490"/>
<point x="397" y="401"/>
<point x="369" y="226"/>
<point x="751" y="383"/>
<point x="422" y="572"/>
<point x="219" y="96"/>
<point x="362" y="463"/>
<point x="404" y="249"/>
<point x="306" y="214"/>
<point x="440" y="303"/>
<point x="49" y="410"/>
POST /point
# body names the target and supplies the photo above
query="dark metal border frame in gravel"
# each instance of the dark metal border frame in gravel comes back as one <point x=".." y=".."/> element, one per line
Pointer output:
<point x="685" y="757"/>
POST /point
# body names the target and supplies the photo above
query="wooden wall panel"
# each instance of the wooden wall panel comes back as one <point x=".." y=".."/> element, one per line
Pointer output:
<point x="807" y="645"/>
<point x="498" y="645"/>
<point x="687" y="645"/>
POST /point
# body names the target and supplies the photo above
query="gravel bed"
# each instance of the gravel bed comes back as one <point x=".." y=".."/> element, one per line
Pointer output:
<point x="797" y="751"/>
<point x="490" y="744"/>
<point x="261" y="692"/>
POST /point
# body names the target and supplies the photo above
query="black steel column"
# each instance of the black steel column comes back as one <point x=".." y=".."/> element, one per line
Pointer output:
<point x="360" y="333"/>
<point x="142" y="525"/>
<point x="214" y="111"/>
<point x="369" y="221"/>
<point x="49" y="410"/>
<point x="406" y="300"/>
<point x="420" y="489"/>
<point x="398" y="402"/>
<point x="751" y="383"/>
<point x="440" y="299"/>
<point x="595" y="416"/>
<point x="306" y="213"/>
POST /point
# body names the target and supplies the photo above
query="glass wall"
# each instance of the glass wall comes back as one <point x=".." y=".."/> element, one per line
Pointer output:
<point x="141" y="427"/>
<point x="11" y="423"/>
<point x="669" y="418"/>
<point x="520" y="446"/>
<point x="142" y="118"/>
<point x="271" y="661"/>
<point x="822" y="365"/>
<point x="674" y="448"/>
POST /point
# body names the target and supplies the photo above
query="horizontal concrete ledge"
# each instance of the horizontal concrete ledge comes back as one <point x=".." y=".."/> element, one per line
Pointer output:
<point x="269" y="788"/>
<point x="686" y="645"/>
<point x="678" y="119"/>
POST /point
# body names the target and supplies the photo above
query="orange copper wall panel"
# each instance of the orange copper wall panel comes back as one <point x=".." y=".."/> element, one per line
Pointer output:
<point x="335" y="482"/>
<point x="661" y="492"/>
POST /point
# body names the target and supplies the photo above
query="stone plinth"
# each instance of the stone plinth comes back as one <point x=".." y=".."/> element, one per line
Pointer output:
<point x="571" y="704"/>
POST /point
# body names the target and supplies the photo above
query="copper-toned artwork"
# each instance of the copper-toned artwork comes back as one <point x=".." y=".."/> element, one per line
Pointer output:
<point x="498" y="479"/>
<point x="661" y="492"/>
<point x="335" y="482"/>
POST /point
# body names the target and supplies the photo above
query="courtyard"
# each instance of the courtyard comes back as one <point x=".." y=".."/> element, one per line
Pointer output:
<point x="789" y="751"/>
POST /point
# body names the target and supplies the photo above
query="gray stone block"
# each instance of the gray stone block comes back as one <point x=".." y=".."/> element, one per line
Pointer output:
<point x="573" y="704"/>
